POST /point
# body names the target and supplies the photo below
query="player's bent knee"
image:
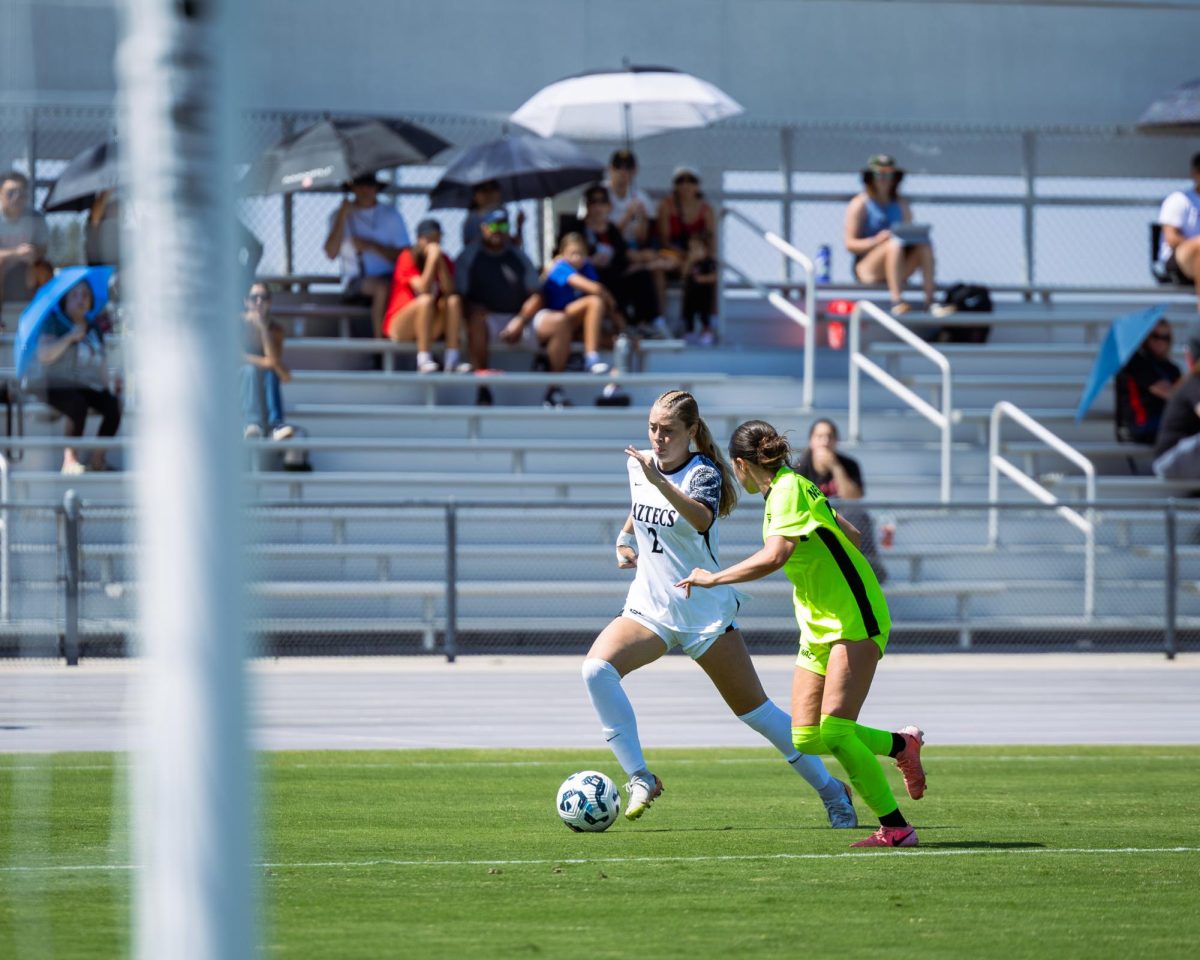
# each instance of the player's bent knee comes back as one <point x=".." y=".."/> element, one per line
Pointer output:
<point x="808" y="740"/>
<point x="836" y="732"/>
<point x="595" y="670"/>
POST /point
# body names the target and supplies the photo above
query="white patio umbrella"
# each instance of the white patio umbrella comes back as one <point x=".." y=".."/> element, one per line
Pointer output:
<point x="624" y="104"/>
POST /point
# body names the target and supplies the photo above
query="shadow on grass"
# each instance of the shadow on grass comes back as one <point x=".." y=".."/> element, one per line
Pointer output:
<point x="980" y="845"/>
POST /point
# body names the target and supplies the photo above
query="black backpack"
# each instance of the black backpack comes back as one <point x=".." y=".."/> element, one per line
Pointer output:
<point x="966" y="298"/>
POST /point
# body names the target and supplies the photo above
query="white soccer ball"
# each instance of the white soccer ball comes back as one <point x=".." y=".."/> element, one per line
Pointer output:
<point x="588" y="800"/>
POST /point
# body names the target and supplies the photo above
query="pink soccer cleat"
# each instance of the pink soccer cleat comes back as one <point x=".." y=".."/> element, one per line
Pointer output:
<point x="909" y="761"/>
<point x="890" y="837"/>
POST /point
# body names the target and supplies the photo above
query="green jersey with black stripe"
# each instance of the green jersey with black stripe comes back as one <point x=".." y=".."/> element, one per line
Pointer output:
<point x="835" y="592"/>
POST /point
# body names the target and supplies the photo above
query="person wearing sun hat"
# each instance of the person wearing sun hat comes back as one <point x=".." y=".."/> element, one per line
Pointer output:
<point x="879" y="256"/>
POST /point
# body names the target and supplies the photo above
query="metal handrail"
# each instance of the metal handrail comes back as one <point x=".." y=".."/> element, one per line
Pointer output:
<point x="5" y="547"/>
<point x="807" y="318"/>
<point x="1084" y="522"/>
<point x="942" y="419"/>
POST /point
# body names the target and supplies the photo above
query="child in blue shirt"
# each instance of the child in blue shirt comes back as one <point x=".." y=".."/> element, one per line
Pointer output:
<point x="573" y="291"/>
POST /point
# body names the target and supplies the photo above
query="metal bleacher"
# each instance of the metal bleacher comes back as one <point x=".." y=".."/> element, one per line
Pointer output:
<point x="334" y="559"/>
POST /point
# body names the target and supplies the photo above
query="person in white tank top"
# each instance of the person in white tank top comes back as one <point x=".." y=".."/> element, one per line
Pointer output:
<point x="678" y="493"/>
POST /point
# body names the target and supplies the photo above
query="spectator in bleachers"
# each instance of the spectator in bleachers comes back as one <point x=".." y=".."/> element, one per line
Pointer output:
<point x="574" y="302"/>
<point x="1143" y="387"/>
<point x="632" y="285"/>
<point x="879" y="256"/>
<point x="631" y="209"/>
<point x="682" y="213"/>
<point x="486" y="197"/>
<point x="1177" y="451"/>
<point x="23" y="239"/>
<point x="71" y="352"/>
<point x="840" y="477"/>
<point x="699" y="290"/>
<point x="424" y="305"/>
<point x="501" y="291"/>
<point x="367" y="237"/>
<point x="263" y="370"/>
<point x="102" y="231"/>
<point x="1179" y="247"/>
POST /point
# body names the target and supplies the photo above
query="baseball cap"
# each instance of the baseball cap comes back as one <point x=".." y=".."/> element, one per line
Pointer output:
<point x="428" y="226"/>
<point x="499" y="215"/>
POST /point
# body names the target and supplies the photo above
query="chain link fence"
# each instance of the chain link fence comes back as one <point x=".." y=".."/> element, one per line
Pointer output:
<point x="449" y="579"/>
<point x="1009" y="207"/>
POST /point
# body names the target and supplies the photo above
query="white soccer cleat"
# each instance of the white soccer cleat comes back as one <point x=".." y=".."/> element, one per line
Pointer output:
<point x="641" y="793"/>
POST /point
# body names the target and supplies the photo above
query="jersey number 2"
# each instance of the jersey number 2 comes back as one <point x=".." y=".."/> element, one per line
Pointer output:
<point x="657" y="547"/>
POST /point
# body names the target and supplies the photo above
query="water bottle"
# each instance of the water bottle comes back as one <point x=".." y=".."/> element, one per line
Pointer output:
<point x="621" y="354"/>
<point x="823" y="263"/>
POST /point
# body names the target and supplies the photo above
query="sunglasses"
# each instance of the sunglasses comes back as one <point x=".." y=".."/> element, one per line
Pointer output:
<point x="1160" y="336"/>
<point x="687" y="178"/>
<point x="623" y="165"/>
<point x="496" y="227"/>
<point x="595" y="200"/>
<point x="259" y="298"/>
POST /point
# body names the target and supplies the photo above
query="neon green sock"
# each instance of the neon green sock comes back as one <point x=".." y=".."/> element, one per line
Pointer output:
<point x="879" y="742"/>
<point x="842" y="740"/>
<point x="808" y="740"/>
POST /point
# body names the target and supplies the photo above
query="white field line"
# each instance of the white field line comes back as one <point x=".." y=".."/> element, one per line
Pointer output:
<point x="351" y="864"/>
<point x="667" y="762"/>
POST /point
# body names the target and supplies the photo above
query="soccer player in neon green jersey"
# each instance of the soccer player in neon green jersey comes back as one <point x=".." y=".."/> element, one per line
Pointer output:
<point x="843" y="620"/>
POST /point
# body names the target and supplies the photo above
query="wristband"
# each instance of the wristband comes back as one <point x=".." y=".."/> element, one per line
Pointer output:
<point x="626" y="540"/>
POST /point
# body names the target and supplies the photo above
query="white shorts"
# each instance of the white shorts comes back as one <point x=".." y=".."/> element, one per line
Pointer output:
<point x="695" y="645"/>
<point x="498" y="321"/>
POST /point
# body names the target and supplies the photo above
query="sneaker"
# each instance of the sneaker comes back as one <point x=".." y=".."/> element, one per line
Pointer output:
<point x="428" y="366"/>
<point x="73" y="469"/>
<point x="252" y="432"/>
<point x="599" y="367"/>
<point x="555" y="399"/>
<point x="707" y="339"/>
<point x="909" y="761"/>
<point x="900" y="309"/>
<point x="940" y="310"/>
<point x="842" y="815"/>
<point x="641" y="793"/>
<point x="483" y="397"/>
<point x="283" y="432"/>
<point x="659" y="329"/>
<point x="463" y="367"/>
<point x="890" y="837"/>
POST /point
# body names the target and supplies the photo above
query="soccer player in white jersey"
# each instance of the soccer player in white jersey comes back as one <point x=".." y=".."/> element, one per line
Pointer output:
<point x="678" y="493"/>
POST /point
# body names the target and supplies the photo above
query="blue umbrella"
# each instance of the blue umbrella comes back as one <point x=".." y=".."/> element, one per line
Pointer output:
<point x="1120" y="343"/>
<point x="29" y="327"/>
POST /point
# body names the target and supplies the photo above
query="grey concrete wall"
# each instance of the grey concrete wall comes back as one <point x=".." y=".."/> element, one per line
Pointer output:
<point x="1001" y="62"/>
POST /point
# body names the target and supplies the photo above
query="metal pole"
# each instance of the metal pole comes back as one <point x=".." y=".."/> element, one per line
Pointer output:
<point x="450" y="640"/>
<point x="855" y="336"/>
<point x="786" y="137"/>
<point x="1028" y="162"/>
<point x="195" y="895"/>
<point x="1170" y="643"/>
<point x="289" y="213"/>
<point x="71" y="577"/>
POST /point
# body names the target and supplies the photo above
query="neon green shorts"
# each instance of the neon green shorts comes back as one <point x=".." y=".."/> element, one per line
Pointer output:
<point x="814" y="655"/>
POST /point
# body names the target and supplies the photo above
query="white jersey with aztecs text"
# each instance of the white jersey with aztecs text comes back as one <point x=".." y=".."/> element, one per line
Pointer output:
<point x="669" y="548"/>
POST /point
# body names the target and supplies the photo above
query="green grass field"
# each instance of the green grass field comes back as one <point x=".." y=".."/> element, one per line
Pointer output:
<point x="1025" y="852"/>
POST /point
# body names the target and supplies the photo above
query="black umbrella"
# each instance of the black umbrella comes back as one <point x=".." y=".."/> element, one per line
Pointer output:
<point x="333" y="152"/>
<point x="1178" y="110"/>
<point x="527" y="167"/>
<point x="89" y="173"/>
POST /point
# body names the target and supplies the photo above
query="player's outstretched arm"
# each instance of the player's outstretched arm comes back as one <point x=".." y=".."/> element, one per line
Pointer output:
<point x="773" y="555"/>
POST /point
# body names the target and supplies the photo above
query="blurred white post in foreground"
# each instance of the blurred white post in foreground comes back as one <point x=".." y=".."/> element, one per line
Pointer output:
<point x="195" y="898"/>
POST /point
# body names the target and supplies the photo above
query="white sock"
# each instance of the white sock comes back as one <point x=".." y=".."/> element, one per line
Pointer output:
<point x="776" y="726"/>
<point x="451" y="360"/>
<point x="423" y="356"/>
<point x="616" y="715"/>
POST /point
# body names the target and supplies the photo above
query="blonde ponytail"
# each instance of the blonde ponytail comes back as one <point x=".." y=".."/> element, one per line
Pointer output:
<point x="681" y="404"/>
